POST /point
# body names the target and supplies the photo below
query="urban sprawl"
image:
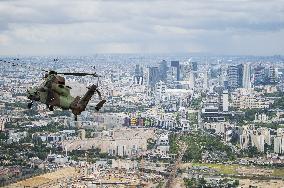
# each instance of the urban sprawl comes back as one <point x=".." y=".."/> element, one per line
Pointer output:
<point x="169" y="121"/>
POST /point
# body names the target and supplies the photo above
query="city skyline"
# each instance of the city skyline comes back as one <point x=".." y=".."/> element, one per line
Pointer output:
<point x="178" y="121"/>
<point x="245" y="27"/>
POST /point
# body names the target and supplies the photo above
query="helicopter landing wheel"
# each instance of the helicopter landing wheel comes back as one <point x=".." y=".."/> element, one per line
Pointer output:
<point x="50" y="108"/>
<point x="30" y="104"/>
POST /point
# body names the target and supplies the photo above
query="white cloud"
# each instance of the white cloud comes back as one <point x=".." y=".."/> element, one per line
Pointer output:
<point x="88" y="26"/>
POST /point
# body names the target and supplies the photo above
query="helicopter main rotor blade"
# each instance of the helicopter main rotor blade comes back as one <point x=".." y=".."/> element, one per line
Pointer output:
<point x="79" y="74"/>
<point x="17" y="64"/>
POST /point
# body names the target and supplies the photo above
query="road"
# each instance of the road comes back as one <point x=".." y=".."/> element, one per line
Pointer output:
<point x="172" y="177"/>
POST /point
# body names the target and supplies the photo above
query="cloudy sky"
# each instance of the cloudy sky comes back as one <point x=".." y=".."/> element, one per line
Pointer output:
<point x="86" y="27"/>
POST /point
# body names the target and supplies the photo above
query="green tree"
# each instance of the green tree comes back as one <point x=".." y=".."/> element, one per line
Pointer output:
<point x="151" y="144"/>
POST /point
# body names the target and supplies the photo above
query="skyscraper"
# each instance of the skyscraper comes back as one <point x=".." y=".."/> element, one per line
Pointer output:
<point x="225" y="101"/>
<point x="163" y="68"/>
<point x="272" y="75"/>
<point x="205" y="80"/>
<point x="153" y="76"/>
<point x="235" y="76"/>
<point x="232" y="77"/>
<point x="194" y="66"/>
<point x="191" y="80"/>
<point x="259" y="75"/>
<point x="246" y="76"/>
<point x="138" y="75"/>
<point x="240" y="75"/>
<point x="176" y="64"/>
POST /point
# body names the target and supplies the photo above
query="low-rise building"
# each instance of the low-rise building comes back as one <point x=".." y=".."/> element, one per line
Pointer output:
<point x="248" y="99"/>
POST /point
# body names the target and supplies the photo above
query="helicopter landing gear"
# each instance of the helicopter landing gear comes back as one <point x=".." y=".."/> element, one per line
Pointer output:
<point x="50" y="108"/>
<point x="30" y="104"/>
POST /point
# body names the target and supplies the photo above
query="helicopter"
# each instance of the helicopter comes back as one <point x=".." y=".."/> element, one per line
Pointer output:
<point x="55" y="93"/>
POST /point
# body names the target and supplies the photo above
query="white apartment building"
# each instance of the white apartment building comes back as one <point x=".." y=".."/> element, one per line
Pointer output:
<point x="2" y="125"/>
<point x="223" y="129"/>
<point x="225" y="101"/>
<point x="279" y="144"/>
<point x="279" y="141"/>
<point x="255" y="137"/>
<point x="123" y="142"/>
<point x="248" y="99"/>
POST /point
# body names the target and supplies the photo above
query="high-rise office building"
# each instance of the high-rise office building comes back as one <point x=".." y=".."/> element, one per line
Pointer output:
<point x="240" y="74"/>
<point x="246" y="76"/>
<point x="259" y="75"/>
<point x="163" y="68"/>
<point x="153" y="76"/>
<point x="225" y="101"/>
<point x="206" y="80"/>
<point x="235" y="76"/>
<point x="138" y="75"/>
<point x="226" y="84"/>
<point x="192" y="80"/>
<point x="176" y="64"/>
<point x="272" y="75"/>
<point x="172" y="74"/>
<point x="194" y="66"/>
<point x="185" y="71"/>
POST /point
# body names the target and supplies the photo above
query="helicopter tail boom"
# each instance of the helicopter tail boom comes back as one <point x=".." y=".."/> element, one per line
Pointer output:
<point x="79" y="104"/>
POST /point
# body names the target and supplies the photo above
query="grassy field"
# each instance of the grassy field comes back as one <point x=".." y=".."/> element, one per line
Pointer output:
<point x="278" y="172"/>
<point x="222" y="168"/>
<point x="233" y="169"/>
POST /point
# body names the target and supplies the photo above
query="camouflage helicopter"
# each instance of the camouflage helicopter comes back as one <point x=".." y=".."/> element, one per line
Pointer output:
<point x="53" y="92"/>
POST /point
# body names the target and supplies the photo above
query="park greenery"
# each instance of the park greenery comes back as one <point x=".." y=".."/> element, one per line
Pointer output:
<point x="192" y="117"/>
<point x="90" y="155"/>
<point x="269" y="125"/>
<point x="151" y="143"/>
<point x="248" y="116"/>
<point x="198" y="143"/>
<point x="251" y="151"/>
<point x="275" y="94"/>
<point x="193" y="182"/>
<point x="196" y="103"/>
<point x="221" y="168"/>
<point x="10" y="152"/>
<point x="51" y="127"/>
<point x="201" y="182"/>
<point x="278" y="103"/>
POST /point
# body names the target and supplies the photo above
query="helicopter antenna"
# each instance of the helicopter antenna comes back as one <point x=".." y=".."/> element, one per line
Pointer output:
<point x="98" y="80"/>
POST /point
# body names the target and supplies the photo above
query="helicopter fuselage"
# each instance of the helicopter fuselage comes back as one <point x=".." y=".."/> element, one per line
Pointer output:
<point x="54" y="92"/>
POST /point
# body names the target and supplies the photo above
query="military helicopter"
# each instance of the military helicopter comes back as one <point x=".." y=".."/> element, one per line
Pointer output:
<point x="53" y="92"/>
